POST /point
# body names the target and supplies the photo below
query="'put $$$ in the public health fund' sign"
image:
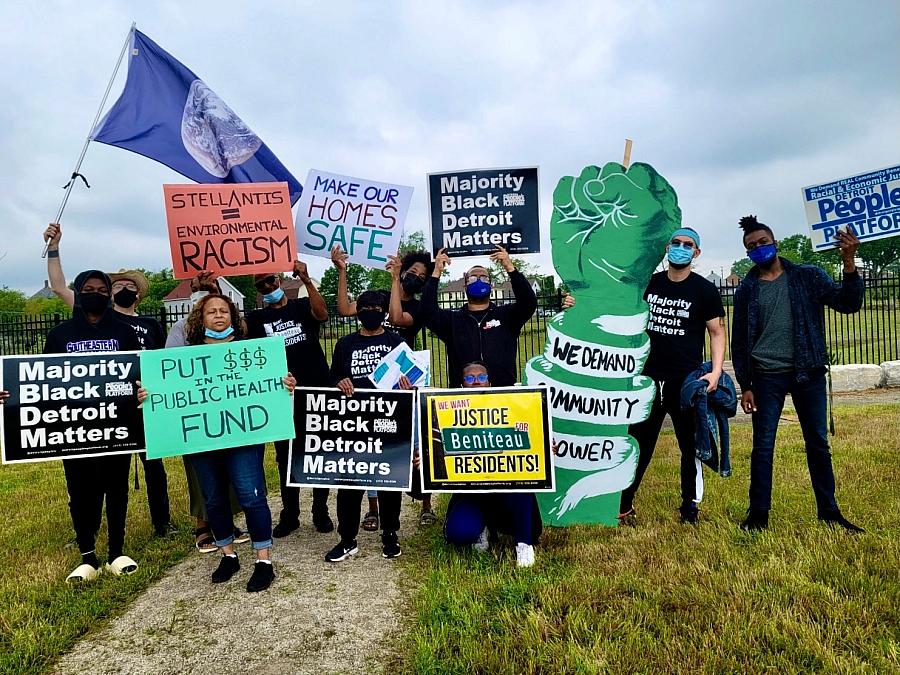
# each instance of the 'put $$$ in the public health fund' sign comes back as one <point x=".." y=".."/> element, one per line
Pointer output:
<point x="210" y="397"/>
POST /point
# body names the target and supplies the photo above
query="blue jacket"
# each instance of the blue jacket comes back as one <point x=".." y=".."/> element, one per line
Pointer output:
<point x="810" y="289"/>
<point x="712" y="439"/>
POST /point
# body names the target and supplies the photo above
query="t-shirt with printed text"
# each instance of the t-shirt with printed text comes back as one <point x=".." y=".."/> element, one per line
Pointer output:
<point x="300" y="329"/>
<point x="356" y="355"/>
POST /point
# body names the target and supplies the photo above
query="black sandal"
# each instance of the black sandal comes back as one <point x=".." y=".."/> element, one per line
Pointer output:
<point x="370" y="522"/>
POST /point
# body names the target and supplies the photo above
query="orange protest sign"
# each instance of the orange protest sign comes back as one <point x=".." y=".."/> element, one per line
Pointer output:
<point x="230" y="228"/>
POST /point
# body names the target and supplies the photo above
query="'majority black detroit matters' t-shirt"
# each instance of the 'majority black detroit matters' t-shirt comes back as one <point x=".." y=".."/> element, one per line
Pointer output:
<point x="677" y="326"/>
<point x="356" y="355"/>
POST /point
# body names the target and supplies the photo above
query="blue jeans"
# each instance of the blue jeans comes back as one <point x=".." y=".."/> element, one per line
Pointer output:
<point x="510" y="513"/>
<point x="810" y="402"/>
<point x="242" y="468"/>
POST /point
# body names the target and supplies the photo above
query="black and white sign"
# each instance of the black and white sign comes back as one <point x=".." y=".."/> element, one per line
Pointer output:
<point x="69" y="405"/>
<point x="363" y="441"/>
<point x="474" y="211"/>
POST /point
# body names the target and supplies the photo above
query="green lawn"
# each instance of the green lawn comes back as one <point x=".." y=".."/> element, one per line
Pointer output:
<point x="663" y="597"/>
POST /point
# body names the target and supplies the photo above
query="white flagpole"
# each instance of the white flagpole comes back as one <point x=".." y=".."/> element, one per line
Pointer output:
<point x="65" y="199"/>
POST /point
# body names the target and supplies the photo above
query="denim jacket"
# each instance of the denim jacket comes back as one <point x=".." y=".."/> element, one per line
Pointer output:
<point x="810" y="289"/>
<point x="712" y="439"/>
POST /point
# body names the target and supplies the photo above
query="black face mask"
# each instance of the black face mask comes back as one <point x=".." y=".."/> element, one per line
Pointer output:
<point x="94" y="303"/>
<point x="411" y="283"/>
<point x="370" y="318"/>
<point x="125" y="298"/>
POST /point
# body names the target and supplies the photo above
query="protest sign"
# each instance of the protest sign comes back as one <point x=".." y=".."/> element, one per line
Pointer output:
<point x="401" y="360"/>
<point x="230" y="229"/>
<point x="209" y="397"/>
<point x="364" y="440"/>
<point x="67" y="405"/>
<point x="361" y="216"/>
<point x="474" y="211"/>
<point x="489" y="439"/>
<point x="869" y="204"/>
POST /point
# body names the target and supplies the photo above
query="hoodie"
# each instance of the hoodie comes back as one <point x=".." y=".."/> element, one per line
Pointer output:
<point x="78" y="335"/>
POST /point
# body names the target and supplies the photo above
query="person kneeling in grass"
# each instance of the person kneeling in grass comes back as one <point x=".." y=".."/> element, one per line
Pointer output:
<point x="474" y="519"/>
<point x="214" y="320"/>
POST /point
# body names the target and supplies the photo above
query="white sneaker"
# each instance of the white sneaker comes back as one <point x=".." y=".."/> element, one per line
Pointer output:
<point x="524" y="555"/>
<point x="483" y="543"/>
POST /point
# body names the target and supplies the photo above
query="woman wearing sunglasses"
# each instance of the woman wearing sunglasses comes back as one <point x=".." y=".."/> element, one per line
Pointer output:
<point x="475" y="519"/>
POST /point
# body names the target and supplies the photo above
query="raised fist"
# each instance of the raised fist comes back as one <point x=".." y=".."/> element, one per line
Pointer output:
<point x="611" y="227"/>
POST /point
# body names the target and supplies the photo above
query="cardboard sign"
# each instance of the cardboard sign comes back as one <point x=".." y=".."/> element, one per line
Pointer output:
<point x="230" y="228"/>
<point x="363" y="217"/>
<point x="363" y="441"/>
<point x="609" y="230"/>
<point x="209" y="397"/>
<point x="485" y="439"/>
<point x="474" y="211"/>
<point x="869" y="204"/>
<point x="70" y="405"/>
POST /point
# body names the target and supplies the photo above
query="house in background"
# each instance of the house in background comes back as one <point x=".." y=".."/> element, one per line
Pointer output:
<point x="45" y="293"/>
<point x="178" y="302"/>
<point x="715" y="279"/>
<point x="455" y="292"/>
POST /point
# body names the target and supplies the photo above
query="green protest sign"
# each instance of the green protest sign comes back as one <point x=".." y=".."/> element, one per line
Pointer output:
<point x="209" y="397"/>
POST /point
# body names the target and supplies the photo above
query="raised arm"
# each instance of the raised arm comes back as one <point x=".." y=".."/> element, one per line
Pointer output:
<point x="55" y="274"/>
<point x="396" y="315"/>
<point x="344" y="306"/>
<point x="845" y="297"/>
<point x="433" y="317"/>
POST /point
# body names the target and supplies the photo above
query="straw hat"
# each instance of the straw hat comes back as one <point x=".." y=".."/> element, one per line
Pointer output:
<point x="133" y="275"/>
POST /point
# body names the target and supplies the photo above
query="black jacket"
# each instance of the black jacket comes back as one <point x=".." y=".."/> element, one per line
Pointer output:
<point x="77" y="335"/>
<point x="491" y="336"/>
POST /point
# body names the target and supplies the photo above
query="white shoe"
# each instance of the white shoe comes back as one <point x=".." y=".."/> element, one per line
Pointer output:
<point x="524" y="555"/>
<point x="483" y="543"/>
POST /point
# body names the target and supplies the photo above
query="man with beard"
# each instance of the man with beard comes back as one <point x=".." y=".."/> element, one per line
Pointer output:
<point x="683" y="308"/>
<point x="778" y="348"/>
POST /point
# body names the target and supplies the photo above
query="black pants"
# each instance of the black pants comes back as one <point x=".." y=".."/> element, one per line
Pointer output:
<point x="290" y="496"/>
<point x="646" y="433"/>
<point x="349" y="510"/>
<point x="157" y="492"/>
<point x="90" y="480"/>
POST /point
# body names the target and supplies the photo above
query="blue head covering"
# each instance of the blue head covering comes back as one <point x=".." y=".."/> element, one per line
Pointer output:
<point x="687" y="232"/>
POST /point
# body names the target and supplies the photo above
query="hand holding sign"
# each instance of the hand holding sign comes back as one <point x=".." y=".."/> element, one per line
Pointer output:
<point x="501" y="255"/>
<point x="441" y="261"/>
<point x="848" y="243"/>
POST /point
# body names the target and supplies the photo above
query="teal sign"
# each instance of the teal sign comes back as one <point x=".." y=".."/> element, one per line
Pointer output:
<point x="210" y="397"/>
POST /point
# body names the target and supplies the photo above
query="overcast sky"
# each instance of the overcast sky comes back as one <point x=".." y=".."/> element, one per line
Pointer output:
<point x="738" y="105"/>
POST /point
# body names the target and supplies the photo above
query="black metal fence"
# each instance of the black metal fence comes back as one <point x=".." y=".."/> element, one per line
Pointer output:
<point x="870" y="336"/>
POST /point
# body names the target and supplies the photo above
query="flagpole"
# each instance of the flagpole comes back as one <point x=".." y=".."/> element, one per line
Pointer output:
<point x="87" y="142"/>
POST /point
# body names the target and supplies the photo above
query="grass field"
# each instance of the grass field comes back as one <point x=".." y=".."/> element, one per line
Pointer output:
<point x="40" y="616"/>
<point x="663" y="597"/>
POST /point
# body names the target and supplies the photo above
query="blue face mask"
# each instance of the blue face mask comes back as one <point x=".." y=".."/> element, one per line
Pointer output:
<point x="478" y="289"/>
<point x="679" y="255"/>
<point x="273" y="297"/>
<point x="763" y="254"/>
<point x="219" y="334"/>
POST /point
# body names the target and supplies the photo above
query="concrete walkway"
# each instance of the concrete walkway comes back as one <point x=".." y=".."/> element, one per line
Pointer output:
<point x="317" y="617"/>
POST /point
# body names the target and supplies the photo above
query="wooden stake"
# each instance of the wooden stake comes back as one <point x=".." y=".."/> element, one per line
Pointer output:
<point x="626" y="160"/>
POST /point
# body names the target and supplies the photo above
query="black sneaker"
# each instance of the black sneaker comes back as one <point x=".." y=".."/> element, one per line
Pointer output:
<point x="342" y="551"/>
<point x="262" y="577"/>
<point x="322" y="522"/>
<point x="836" y="519"/>
<point x="756" y="521"/>
<point x="167" y="530"/>
<point x="690" y="514"/>
<point x="228" y="566"/>
<point x="390" y="546"/>
<point x="284" y="528"/>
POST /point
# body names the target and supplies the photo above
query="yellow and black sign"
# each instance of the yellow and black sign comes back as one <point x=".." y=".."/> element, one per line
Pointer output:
<point x="485" y="440"/>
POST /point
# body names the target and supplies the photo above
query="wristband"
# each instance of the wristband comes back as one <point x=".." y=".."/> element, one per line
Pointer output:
<point x="53" y="254"/>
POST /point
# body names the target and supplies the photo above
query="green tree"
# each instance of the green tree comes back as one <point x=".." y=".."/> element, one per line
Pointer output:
<point x="881" y="256"/>
<point x="12" y="300"/>
<point x="46" y="306"/>
<point x="741" y="267"/>
<point x="245" y="285"/>
<point x="498" y="274"/>
<point x="357" y="280"/>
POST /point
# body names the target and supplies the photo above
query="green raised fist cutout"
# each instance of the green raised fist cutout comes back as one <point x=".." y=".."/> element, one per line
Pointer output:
<point x="609" y="231"/>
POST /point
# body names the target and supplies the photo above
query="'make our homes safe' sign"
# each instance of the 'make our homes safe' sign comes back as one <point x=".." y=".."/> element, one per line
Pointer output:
<point x="210" y="397"/>
<point x="365" y="218"/>
<point x="364" y="440"/>
<point x="230" y="228"/>
<point x="474" y="211"/>
<point x="66" y="406"/>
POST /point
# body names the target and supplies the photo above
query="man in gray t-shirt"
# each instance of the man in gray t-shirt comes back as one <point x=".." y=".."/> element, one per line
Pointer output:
<point x="774" y="348"/>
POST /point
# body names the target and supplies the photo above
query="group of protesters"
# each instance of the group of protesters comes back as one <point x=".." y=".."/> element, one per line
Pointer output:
<point x="778" y="348"/>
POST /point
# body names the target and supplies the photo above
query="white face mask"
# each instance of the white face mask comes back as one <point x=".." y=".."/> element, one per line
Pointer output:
<point x="196" y="295"/>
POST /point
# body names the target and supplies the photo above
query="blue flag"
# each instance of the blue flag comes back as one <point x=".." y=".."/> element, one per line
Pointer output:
<point x="168" y="114"/>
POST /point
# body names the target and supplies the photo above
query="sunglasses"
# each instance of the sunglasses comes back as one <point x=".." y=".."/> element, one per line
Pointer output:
<point x="262" y="283"/>
<point x="472" y="278"/>
<point x="481" y="378"/>
<point x="689" y="245"/>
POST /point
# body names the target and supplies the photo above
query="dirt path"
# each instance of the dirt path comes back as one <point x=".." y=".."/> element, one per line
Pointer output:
<point x="316" y="618"/>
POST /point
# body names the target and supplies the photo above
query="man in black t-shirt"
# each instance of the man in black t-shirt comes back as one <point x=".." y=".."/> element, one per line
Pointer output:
<point x="297" y="321"/>
<point x="683" y="308"/>
<point x="354" y="359"/>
